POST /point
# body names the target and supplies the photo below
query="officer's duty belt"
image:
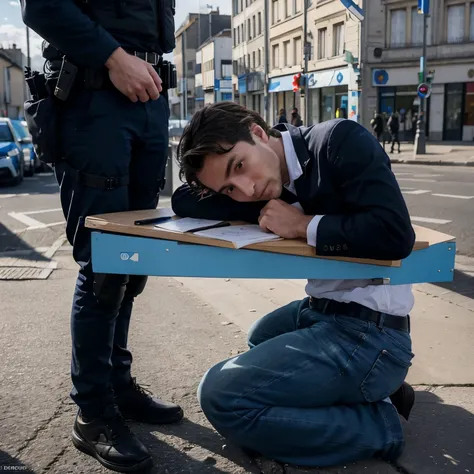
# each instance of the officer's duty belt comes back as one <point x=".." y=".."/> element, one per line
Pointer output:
<point x="96" y="181"/>
<point x="153" y="58"/>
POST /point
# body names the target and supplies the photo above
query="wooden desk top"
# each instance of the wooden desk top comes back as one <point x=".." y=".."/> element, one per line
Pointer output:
<point x="123" y="223"/>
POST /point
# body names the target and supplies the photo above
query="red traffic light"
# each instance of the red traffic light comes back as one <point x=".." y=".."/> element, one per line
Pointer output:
<point x="424" y="90"/>
<point x="296" y="82"/>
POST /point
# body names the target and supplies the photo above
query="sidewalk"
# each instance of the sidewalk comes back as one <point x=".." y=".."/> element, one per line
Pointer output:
<point x="438" y="153"/>
<point x="180" y="328"/>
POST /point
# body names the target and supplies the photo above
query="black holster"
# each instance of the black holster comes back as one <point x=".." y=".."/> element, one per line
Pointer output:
<point x="41" y="115"/>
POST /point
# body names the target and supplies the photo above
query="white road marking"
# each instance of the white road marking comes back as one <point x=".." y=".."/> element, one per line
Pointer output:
<point x="56" y="245"/>
<point x="429" y="220"/>
<point x="417" y="191"/>
<point x="418" y="179"/>
<point x="44" y="226"/>
<point x="425" y="175"/>
<point x="42" y="211"/>
<point x="13" y="195"/>
<point x="29" y="221"/>
<point x="51" y="185"/>
<point x="31" y="178"/>
<point x="455" y="196"/>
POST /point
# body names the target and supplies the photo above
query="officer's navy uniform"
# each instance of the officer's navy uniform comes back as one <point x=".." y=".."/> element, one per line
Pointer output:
<point x="112" y="158"/>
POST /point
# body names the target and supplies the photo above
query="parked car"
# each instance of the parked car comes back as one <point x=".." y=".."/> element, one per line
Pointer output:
<point x="12" y="159"/>
<point x="32" y="163"/>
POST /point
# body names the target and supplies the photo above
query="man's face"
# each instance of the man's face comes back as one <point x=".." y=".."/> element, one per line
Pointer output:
<point x="247" y="172"/>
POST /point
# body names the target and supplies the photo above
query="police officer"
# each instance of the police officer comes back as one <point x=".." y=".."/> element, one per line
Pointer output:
<point x="111" y="107"/>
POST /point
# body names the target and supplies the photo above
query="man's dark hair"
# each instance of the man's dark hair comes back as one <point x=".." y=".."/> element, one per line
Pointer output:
<point x="215" y="129"/>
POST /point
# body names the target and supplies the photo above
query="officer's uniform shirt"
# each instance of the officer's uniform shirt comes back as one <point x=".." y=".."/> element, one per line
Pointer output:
<point x="396" y="300"/>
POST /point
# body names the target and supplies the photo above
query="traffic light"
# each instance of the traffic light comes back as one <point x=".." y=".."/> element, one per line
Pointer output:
<point x="424" y="90"/>
<point x="296" y="82"/>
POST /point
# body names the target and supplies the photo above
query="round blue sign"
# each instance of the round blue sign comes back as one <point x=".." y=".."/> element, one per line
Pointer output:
<point x="340" y="77"/>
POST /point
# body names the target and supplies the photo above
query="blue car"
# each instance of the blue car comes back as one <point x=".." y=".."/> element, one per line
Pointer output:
<point x="32" y="164"/>
<point x="12" y="161"/>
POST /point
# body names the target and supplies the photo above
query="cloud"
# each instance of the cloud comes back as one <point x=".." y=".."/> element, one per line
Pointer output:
<point x="11" y="34"/>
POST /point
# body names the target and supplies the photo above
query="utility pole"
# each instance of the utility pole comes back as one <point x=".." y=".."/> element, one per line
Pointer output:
<point x="28" y="55"/>
<point x="420" y="138"/>
<point x="266" y="58"/>
<point x="306" y="53"/>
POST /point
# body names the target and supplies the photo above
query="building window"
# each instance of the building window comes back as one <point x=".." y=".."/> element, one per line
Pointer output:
<point x="259" y="23"/>
<point x="226" y="68"/>
<point x="296" y="6"/>
<point x="249" y="30"/>
<point x="322" y="43"/>
<point x="287" y="8"/>
<point x="259" y="57"/>
<point x="338" y="37"/>
<point x="471" y="24"/>
<point x="253" y="60"/>
<point x="297" y="50"/>
<point x="469" y="102"/>
<point x="275" y="56"/>
<point x="456" y="23"/>
<point x="398" y="24"/>
<point x="248" y="61"/>
<point x="286" y="53"/>
<point x="275" y="11"/>
<point x="254" y="26"/>
<point x="417" y="28"/>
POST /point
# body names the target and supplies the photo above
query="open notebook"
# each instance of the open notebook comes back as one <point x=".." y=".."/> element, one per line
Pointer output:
<point x="239" y="235"/>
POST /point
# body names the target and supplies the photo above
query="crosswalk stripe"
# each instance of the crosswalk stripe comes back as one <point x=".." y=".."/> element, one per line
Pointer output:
<point x="417" y="191"/>
<point x="454" y="196"/>
<point x="29" y="221"/>
<point x="418" y="179"/>
<point x="429" y="220"/>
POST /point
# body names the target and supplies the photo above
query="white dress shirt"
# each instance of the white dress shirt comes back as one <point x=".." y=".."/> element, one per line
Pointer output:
<point x="397" y="300"/>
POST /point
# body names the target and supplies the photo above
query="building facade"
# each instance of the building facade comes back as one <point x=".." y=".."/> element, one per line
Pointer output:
<point x="286" y="18"/>
<point x="393" y="37"/>
<point x="12" y="86"/>
<point x="195" y="30"/>
<point x="333" y="73"/>
<point x="215" y="57"/>
<point x="248" y="53"/>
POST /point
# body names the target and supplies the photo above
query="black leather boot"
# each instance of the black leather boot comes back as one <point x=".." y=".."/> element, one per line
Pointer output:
<point x="138" y="404"/>
<point x="109" y="440"/>
<point x="403" y="400"/>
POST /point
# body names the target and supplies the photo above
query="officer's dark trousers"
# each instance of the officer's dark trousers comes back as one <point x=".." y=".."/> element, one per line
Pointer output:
<point x="103" y="133"/>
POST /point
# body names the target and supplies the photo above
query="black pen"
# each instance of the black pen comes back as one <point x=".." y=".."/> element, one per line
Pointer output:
<point x="154" y="220"/>
<point x="215" y="226"/>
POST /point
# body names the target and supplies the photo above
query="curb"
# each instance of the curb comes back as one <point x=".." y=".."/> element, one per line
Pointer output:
<point x="431" y="162"/>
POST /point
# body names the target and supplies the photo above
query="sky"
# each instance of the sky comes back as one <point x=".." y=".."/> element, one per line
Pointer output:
<point x="12" y="29"/>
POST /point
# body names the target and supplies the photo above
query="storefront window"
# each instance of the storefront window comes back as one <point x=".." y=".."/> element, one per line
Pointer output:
<point x="341" y="102"/>
<point x="327" y="104"/>
<point x="469" y="104"/>
<point x="453" y="111"/>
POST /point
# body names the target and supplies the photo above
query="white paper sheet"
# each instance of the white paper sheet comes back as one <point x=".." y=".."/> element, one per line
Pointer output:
<point x="239" y="235"/>
<point x="185" y="224"/>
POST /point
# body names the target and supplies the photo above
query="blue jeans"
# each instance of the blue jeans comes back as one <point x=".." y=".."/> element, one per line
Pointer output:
<point x="310" y="390"/>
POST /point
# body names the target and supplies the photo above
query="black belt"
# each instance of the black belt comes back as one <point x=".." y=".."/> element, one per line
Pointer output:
<point x="356" y="310"/>
<point x="153" y="58"/>
<point x="96" y="181"/>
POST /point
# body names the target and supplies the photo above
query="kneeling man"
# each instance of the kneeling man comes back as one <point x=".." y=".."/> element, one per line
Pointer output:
<point x="323" y="381"/>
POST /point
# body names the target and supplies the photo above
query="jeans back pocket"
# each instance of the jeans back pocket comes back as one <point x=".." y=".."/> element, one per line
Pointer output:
<point x="385" y="376"/>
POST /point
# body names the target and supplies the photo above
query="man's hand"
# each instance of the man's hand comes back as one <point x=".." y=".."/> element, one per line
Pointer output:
<point x="133" y="77"/>
<point x="284" y="220"/>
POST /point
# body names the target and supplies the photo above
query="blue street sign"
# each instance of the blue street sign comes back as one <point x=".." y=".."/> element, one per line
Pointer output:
<point x="424" y="6"/>
<point x="354" y="9"/>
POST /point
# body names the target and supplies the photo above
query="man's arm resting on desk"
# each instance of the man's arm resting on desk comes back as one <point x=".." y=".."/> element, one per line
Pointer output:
<point x="188" y="203"/>
<point x="378" y="225"/>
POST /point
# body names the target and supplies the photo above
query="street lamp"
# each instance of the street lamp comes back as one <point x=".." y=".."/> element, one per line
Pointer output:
<point x="423" y="90"/>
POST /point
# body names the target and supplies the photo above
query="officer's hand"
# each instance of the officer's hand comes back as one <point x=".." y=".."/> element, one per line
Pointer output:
<point x="133" y="77"/>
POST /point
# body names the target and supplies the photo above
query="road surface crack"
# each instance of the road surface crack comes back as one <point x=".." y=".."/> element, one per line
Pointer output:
<point x="55" y="460"/>
<point x="57" y="413"/>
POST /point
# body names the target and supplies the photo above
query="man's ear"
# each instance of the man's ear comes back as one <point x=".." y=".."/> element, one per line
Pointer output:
<point x="259" y="132"/>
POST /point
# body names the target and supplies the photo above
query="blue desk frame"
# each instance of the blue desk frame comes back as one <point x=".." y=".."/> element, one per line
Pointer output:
<point x="132" y="255"/>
